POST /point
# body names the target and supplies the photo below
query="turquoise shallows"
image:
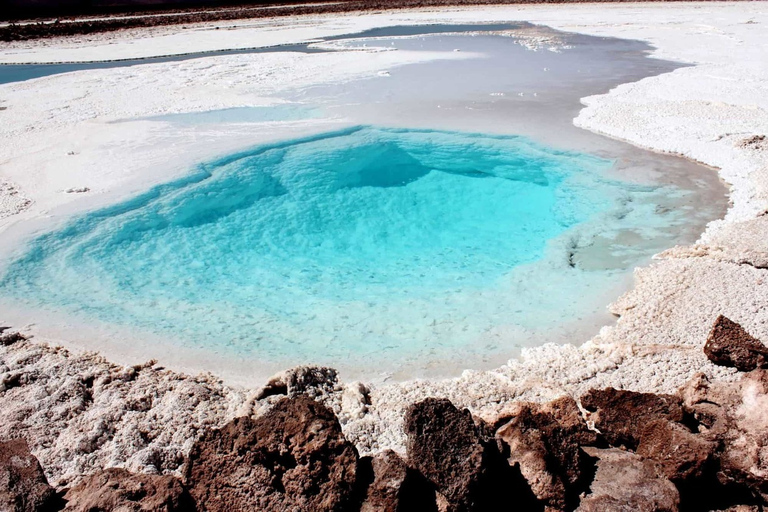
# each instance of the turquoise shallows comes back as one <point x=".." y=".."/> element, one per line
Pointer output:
<point x="359" y="245"/>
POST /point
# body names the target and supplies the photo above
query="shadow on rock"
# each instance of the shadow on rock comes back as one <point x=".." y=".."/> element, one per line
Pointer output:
<point x="463" y="461"/>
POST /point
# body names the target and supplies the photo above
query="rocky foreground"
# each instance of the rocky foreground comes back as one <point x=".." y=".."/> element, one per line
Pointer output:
<point x="703" y="448"/>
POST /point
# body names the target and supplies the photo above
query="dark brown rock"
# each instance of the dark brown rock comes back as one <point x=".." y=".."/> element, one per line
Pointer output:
<point x="621" y="416"/>
<point x="544" y="440"/>
<point x="462" y="460"/>
<point x="395" y="486"/>
<point x="292" y="458"/>
<point x="23" y="486"/>
<point x="728" y="344"/>
<point x="119" y="489"/>
<point x="626" y="482"/>
<point x="682" y="455"/>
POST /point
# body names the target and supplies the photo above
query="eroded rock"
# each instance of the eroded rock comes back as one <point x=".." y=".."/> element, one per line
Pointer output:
<point x="626" y="482"/>
<point x="23" y="486"/>
<point x="396" y="487"/>
<point x="461" y="460"/>
<point x="9" y="338"/>
<point x="744" y="459"/>
<point x="730" y="345"/>
<point x="311" y="380"/>
<point x="544" y="440"/>
<point x="734" y="416"/>
<point x="118" y="489"/>
<point x="682" y="455"/>
<point x="621" y="416"/>
<point x="292" y="458"/>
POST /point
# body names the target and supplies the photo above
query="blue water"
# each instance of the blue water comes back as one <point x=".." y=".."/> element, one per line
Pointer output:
<point x="363" y="245"/>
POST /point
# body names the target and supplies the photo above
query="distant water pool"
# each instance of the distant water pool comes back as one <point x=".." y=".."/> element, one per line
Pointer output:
<point x="364" y="245"/>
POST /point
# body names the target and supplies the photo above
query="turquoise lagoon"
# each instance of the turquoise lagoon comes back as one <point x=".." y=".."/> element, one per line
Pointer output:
<point x="367" y="246"/>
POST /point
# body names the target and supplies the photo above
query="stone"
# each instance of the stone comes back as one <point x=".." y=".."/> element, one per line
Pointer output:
<point x="733" y="416"/>
<point x="118" y="489"/>
<point x="395" y="486"/>
<point x="627" y="482"/>
<point x="744" y="457"/>
<point x="311" y="380"/>
<point x="295" y="457"/>
<point x="682" y="455"/>
<point x="23" y="486"/>
<point x="728" y="344"/>
<point x="545" y="441"/>
<point x="621" y="415"/>
<point x="697" y="402"/>
<point x="9" y="338"/>
<point x="462" y="460"/>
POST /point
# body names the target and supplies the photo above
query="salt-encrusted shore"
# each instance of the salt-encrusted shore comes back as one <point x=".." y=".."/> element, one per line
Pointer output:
<point x="713" y="112"/>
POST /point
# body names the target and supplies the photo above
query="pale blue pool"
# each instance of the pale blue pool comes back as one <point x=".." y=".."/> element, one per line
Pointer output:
<point x="335" y="247"/>
<point x="452" y="215"/>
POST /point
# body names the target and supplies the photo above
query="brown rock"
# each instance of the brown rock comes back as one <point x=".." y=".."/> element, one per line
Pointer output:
<point x="118" y="489"/>
<point x="682" y="455"/>
<point x="395" y="486"/>
<point x="461" y="460"/>
<point x="626" y="482"/>
<point x="23" y="486"/>
<point x="744" y="457"/>
<point x="309" y="380"/>
<point x="544" y="440"/>
<point x="292" y="458"/>
<point x="732" y="416"/>
<point x="621" y="416"/>
<point x="697" y="402"/>
<point x="730" y="345"/>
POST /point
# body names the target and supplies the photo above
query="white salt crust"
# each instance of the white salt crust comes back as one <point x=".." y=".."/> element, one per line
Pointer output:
<point x="709" y="112"/>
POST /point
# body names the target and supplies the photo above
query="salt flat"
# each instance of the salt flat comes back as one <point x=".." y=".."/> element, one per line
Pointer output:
<point x="56" y="135"/>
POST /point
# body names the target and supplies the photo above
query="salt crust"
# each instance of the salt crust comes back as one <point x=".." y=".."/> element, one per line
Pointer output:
<point x="708" y="112"/>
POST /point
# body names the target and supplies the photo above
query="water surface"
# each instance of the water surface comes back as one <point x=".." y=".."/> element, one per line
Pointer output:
<point x="455" y="216"/>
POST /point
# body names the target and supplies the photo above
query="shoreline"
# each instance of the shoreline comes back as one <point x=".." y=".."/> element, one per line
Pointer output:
<point x="53" y="24"/>
<point x="655" y="345"/>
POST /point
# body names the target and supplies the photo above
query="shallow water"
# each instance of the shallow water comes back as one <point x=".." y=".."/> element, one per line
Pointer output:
<point x="459" y="217"/>
<point x="10" y="73"/>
